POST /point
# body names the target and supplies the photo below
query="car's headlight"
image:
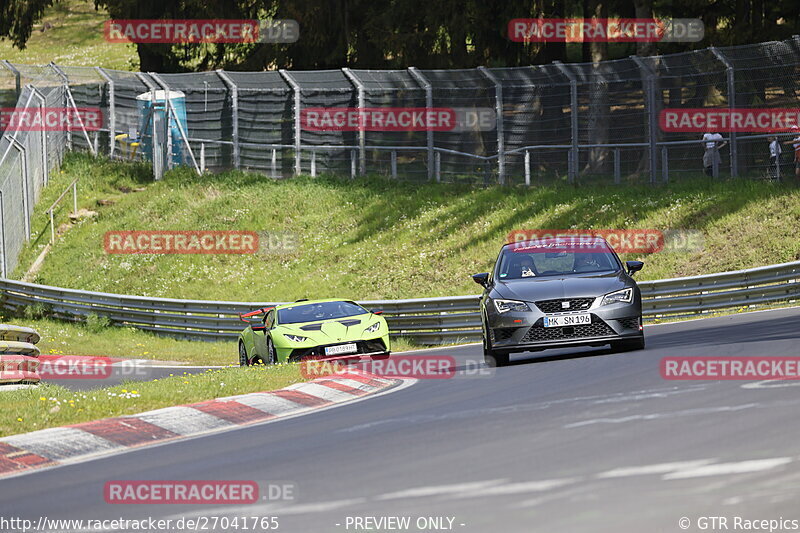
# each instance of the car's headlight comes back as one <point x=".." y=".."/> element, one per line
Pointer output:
<point x="373" y="328"/>
<point x="624" y="296"/>
<point x="295" y="338"/>
<point x="510" y="305"/>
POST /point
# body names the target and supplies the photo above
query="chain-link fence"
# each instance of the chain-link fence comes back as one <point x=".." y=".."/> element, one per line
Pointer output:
<point x="558" y="123"/>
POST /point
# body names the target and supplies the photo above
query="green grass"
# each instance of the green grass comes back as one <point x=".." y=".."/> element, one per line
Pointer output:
<point x="372" y="238"/>
<point x="75" y="39"/>
<point x="50" y="405"/>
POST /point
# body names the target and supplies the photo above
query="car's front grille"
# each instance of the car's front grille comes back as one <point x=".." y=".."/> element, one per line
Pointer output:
<point x="629" y="323"/>
<point x="556" y="306"/>
<point x="502" y="334"/>
<point x="370" y="346"/>
<point x="539" y="333"/>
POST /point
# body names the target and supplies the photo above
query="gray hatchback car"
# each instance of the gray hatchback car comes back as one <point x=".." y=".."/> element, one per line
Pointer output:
<point x="559" y="292"/>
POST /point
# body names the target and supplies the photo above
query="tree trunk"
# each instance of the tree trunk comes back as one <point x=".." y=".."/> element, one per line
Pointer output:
<point x="598" y="98"/>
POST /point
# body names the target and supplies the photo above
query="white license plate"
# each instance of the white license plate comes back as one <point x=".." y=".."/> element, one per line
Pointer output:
<point x="567" y="320"/>
<point x="341" y="349"/>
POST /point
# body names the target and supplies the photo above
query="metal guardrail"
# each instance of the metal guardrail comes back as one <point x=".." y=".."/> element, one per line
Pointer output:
<point x="423" y="320"/>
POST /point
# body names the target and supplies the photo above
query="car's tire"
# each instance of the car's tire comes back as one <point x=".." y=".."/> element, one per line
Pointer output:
<point x="628" y="345"/>
<point x="243" y="360"/>
<point x="272" y="355"/>
<point x="490" y="357"/>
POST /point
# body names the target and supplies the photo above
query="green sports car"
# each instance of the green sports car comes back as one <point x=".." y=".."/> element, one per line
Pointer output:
<point x="312" y="329"/>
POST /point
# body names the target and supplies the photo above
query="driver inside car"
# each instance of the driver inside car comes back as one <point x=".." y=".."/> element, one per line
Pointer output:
<point x="585" y="262"/>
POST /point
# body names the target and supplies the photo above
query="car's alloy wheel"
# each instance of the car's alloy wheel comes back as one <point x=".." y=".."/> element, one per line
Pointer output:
<point x="243" y="355"/>
<point x="490" y="357"/>
<point x="271" y="354"/>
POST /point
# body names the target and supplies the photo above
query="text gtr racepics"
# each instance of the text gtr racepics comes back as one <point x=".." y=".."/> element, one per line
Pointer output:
<point x="312" y="329"/>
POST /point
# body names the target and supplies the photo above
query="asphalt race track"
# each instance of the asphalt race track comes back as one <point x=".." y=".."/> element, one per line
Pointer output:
<point x="583" y="442"/>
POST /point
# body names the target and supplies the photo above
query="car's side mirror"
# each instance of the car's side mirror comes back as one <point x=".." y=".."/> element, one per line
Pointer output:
<point x="376" y="312"/>
<point x="633" y="267"/>
<point x="261" y="327"/>
<point x="481" y="279"/>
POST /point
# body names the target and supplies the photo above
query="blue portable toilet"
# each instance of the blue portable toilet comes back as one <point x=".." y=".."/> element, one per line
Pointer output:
<point x="149" y="106"/>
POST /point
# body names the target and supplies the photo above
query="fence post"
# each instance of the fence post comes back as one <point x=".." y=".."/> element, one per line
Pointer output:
<point x="394" y="164"/>
<point x="65" y="81"/>
<point x="362" y="133"/>
<point x="112" y="107"/>
<point x="729" y="75"/>
<point x="17" y="76"/>
<point x="158" y="168"/>
<point x="172" y="115"/>
<point x="71" y="101"/>
<point x="617" y="167"/>
<point x="426" y="85"/>
<point x="649" y="88"/>
<point x="298" y="106"/>
<point x="498" y="103"/>
<point x="3" y="272"/>
<point x="42" y="104"/>
<point x="665" y="164"/>
<point x="572" y="161"/>
<point x="26" y="207"/>
<point x="527" y="168"/>
<point x="235" y="114"/>
<point x="438" y="165"/>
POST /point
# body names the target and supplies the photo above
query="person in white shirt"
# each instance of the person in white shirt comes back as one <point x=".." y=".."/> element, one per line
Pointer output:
<point x="774" y="157"/>
<point x="712" y="142"/>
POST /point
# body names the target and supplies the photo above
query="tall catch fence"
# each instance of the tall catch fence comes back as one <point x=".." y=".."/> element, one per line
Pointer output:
<point x="578" y="123"/>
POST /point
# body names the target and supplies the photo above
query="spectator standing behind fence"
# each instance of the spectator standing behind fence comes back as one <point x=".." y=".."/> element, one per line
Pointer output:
<point x="712" y="142"/>
<point x="796" y="145"/>
<point x="774" y="157"/>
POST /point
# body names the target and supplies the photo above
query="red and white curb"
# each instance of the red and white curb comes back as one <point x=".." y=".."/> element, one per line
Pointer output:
<point x="71" y="444"/>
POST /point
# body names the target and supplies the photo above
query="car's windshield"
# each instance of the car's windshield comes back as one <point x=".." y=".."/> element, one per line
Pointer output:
<point x="533" y="260"/>
<point x="318" y="311"/>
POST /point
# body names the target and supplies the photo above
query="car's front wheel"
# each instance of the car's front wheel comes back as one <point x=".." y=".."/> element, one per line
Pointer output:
<point x="628" y="345"/>
<point x="272" y="355"/>
<point x="491" y="357"/>
<point x="243" y="360"/>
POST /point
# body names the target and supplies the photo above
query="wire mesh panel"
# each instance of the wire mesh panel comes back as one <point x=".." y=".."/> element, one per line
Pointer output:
<point x="126" y="87"/>
<point x="465" y="89"/>
<point x="13" y="208"/>
<point x="208" y="115"/>
<point x="265" y="122"/>
<point x="326" y="89"/>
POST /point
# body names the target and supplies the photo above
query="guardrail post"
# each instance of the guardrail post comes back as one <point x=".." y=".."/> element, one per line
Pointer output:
<point x="362" y="133"/>
<point x="17" y="76"/>
<point x="729" y="75"/>
<point x="298" y="106"/>
<point x="234" y="114"/>
<point x="426" y="85"/>
<point x="112" y="115"/>
<point x="26" y="207"/>
<point x="649" y="89"/>
<point x="572" y="160"/>
<point x="498" y="103"/>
